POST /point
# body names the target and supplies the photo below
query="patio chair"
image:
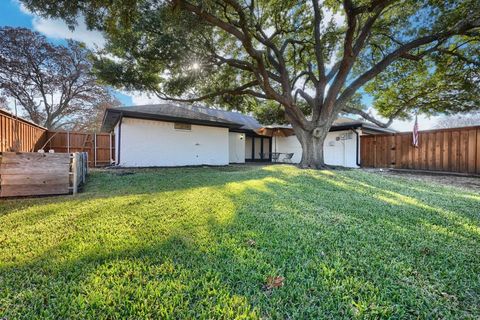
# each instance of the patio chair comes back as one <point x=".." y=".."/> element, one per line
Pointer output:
<point x="264" y="155"/>
<point x="275" y="156"/>
<point x="288" y="158"/>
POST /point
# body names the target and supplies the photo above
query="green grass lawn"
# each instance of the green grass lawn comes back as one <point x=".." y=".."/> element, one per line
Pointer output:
<point x="202" y="242"/>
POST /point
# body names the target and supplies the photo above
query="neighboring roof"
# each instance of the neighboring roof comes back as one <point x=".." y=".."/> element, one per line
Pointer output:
<point x="344" y="124"/>
<point x="164" y="112"/>
<point x="358" y="124"/>
<point x="11" y="115"/>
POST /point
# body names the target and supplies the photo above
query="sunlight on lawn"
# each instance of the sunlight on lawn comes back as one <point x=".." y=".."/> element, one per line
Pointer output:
<point x="201" y="242"/>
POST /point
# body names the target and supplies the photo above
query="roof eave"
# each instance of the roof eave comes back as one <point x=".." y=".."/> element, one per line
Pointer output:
<point x="378" y="129"/>
<point x="155" y="117"/>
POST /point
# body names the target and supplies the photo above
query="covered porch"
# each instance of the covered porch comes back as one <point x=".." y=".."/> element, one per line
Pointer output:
<point x="261" y="146"/>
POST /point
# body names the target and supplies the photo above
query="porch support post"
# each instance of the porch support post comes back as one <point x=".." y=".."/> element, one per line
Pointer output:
<point x="261" y="148"/>
<point x="253" y="148"/>
<point x="270" y="149"/>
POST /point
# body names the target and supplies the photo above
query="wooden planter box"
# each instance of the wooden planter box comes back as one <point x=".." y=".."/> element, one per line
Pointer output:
<point x="32" y="174"/>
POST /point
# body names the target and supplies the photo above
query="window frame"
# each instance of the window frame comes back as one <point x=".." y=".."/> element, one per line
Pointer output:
<point x="182" y="126"/>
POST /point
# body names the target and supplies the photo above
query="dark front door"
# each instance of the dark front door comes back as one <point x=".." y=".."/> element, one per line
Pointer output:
<point x="258" y="148"/>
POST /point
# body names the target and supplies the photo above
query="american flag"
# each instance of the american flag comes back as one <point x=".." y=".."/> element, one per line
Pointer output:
<point x="415" y="133"/>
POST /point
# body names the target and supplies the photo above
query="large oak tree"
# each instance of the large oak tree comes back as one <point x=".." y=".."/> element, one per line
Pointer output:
<point x="291" y="54"/>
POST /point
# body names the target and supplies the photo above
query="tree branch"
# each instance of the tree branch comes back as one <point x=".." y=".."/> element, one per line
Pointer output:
<point x="241" y="90"/>
<point x="398" y="53"/>
<point x="372" y="119"/>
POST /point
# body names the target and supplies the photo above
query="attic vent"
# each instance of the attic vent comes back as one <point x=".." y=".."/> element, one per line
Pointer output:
<point x="182" y="126"/>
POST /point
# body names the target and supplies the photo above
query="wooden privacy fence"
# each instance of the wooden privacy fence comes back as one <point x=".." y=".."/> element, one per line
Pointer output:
<point x="100" y="147"/>
<point x="449" y="150"/>
<point x="19" y="134"/>
<point x="33" y="173"/>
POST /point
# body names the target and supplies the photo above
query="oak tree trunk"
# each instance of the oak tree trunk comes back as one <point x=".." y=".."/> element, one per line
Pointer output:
<point x="312" y="146"/>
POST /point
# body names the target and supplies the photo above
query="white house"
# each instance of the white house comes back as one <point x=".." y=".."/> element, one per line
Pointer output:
<point x="166" y="135"/>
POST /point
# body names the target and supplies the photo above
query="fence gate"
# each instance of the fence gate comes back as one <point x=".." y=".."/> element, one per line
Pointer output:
<point x="99" y="146"/>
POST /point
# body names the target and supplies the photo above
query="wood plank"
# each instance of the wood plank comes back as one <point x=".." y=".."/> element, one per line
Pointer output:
<point x="37" y="179"/>
<point x="472" y="152"/>
<point x="447" y="138"/>
<point x="409" y="151"/>
<point x="405" y="139"/>
<point x="431" y="151"/>
<point x="31" y="190"/>
<point x="423" y="150"/>
<point x="398" y="151"/>
<point x="463" y="151"/>
<point x="454" y="151"/>
<point x="478" y="152"/>
<point x="45" y="162"/>
<point x="11" y="168"/>
<point x="438" y="150"/>
<point x="35" y="156"/>
<point x="391" y="150"/>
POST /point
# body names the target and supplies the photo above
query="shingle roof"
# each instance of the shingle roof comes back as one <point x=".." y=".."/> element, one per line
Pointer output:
<point x="248" y="122"/>
<point x="165" y="112"/>
<point x="201" y="115"/>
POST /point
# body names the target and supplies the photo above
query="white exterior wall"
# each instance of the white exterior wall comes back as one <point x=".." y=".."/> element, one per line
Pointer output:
<point x="288" y="145"/>
<point x="148" y="143"/>
<point x="336" y="152"/>
<point x="236" y="147"/>
<point x="339" y="151"/>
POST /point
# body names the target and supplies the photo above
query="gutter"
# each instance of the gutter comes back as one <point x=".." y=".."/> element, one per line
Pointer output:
<point x="358" y="147"/>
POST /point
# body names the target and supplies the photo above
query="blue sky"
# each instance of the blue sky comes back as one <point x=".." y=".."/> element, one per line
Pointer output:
<point x="12" y="14"/>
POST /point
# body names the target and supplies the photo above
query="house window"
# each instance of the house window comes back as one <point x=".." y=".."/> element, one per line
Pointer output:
<point x="182" y="126"/>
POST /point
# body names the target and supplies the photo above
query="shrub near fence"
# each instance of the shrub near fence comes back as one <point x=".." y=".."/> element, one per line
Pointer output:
<point x="449" y="150"/>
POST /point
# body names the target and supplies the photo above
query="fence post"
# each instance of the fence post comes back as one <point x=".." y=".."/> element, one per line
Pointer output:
<point x="84" y="166"/>
<point x="68" y="141"/>
<point x="95" y="149"/>
<point x="75" y="173"/>
<point x="111" y="153"/>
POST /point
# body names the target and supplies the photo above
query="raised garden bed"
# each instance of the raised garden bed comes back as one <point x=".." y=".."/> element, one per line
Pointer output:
<point x="34" y="174"/>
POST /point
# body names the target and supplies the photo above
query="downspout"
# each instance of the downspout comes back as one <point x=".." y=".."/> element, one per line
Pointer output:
<point x="119" y="139"/>
<point x="358" y="146"/>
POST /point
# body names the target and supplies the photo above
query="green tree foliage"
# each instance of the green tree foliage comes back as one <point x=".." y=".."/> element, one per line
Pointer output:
<point x="408" y="54"/>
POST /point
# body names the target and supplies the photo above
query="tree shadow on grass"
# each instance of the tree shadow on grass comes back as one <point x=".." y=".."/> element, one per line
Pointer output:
<point x="109" y="183"/>
<point x="344" y="252"/>
<point x="443" y="206"/>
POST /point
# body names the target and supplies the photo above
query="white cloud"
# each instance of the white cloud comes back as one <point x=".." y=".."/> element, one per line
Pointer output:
<point x="141" y="98"/>
<point x="58" y="29"/>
